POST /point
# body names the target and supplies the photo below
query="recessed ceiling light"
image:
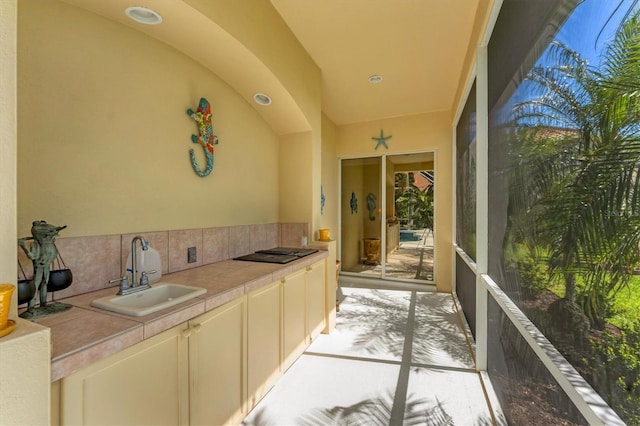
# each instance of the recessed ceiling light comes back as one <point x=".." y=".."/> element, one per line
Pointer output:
<point x="143" y="15"/>
<point x="375" y="79"/>
<point x="262" y="99"/>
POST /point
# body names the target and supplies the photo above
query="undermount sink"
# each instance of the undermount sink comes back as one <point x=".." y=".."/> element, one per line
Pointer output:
<point x="159" y="296"/>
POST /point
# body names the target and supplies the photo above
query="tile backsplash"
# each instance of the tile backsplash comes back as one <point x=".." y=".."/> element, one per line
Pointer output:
<point x="179" y="243"/>
<point x="215" y="243"/>
<point x="96" y="260"/>
<point x="291" y="234"/>
<point x="239" y="240"/>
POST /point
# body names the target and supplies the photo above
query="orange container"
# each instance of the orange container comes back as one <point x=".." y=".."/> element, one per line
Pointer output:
<point x="5" y="303"/>
<point x="324" y="234"/>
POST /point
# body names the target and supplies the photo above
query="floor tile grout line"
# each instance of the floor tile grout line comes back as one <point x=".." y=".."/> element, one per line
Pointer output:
<point x="402" y="384"/>
<point x="353" y="358"/>
<point x="443" y="367"/>
<point x="393" y="362"/>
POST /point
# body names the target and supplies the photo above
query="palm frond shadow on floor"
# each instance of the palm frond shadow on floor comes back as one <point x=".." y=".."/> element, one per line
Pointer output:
<point x="385" y="315"/>
<point x="377" y="411"/>
<point x="379" y="323"/>
<point x="374" y="412"/>
<point x="438" y="326"/>
<point x="385" y="318"/>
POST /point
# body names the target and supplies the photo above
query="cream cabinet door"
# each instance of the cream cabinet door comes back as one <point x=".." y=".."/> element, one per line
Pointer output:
<point x="294" y="317"/>
<point x="144" y="384"/>
<point x="216" y="365"/>
<point x="315" y="299"/>
<point x="263" y="340"/>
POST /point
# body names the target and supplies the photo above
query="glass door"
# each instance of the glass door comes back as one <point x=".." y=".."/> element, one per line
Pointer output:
<point x="361" y="211"/>
<point x="410" y="214"/>
<point x="387" y="224"/>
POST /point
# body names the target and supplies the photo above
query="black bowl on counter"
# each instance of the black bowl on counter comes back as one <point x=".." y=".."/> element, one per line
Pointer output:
<point x="26" y="291"/>
<point x="59" y="279"/>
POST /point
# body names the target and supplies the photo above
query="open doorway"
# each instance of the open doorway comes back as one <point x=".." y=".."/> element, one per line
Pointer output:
<point x="387" y="217"/>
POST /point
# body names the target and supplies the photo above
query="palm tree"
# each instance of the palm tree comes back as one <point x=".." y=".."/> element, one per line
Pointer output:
<point x="580" y="156"/>
<point x="415" y="206"/>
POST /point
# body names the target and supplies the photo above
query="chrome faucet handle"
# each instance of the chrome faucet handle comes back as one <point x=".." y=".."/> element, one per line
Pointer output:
<point x="124" y="283"/>
<point x="144" y="279"/>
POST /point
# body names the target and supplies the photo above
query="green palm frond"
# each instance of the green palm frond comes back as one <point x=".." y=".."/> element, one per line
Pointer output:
<point x="576" y="174"/>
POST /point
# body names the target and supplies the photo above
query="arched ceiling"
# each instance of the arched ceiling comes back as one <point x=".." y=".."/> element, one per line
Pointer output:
<point x="199" y="37"/>
<point x="417" y="46"/>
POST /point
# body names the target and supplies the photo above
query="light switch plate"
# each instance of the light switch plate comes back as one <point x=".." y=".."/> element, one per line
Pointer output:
<point x="192" y="257"/>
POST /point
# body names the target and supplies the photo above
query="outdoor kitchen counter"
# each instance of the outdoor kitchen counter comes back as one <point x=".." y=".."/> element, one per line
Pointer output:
<point x="84" y="334"/>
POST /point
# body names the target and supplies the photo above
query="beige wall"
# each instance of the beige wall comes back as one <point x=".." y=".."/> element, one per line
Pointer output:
<point x="295" y="179"/>
<point x="329" y="219"/>
<point x="24" y="353"/>
<point x="104" y="136"/>
<point x="8" y="146"/>
<point x="25" y="376"/>
<point x="371" y="185"/>
<point x="361" y="178"/>
<point x="352" y="225"/>
<point x="416" y="133"/>
<point x="259" y="27"/>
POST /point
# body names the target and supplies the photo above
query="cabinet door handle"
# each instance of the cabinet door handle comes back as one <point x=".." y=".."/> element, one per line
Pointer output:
<point x="186" y="332"/>
<point x="197" y="327"/>
<point x="309" y="269"/>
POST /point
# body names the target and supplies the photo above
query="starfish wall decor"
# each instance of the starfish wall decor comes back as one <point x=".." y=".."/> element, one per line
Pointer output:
<point x="382" y="140"/>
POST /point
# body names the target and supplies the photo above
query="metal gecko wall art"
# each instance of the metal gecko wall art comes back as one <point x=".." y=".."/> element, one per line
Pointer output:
<point x="206" y="138"/>
<point x="353" y="203"/>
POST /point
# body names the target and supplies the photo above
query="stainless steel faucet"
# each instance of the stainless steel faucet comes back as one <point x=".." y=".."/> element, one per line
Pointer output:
<point x="134" y="259"/>
<point x="135" y="285"/>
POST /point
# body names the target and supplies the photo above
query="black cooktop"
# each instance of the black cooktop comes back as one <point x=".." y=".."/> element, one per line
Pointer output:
<point x="300" y="252"/>
<point x="267" y="258"/>
<point x="277" y="255"/>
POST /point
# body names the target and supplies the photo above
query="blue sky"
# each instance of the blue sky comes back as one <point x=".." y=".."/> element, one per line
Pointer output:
<point x="580" y="31"/>
<point x="588" y="30"/>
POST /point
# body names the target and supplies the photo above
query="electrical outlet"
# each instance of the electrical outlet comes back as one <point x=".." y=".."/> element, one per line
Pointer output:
<point x="192" y="257"/>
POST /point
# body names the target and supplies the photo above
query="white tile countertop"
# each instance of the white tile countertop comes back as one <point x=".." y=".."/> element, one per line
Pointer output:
<point x="85" y="334"/>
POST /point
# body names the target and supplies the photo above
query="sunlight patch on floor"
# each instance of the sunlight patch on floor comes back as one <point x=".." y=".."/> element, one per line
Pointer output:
<point x="395" y="357"/>
<point x="323" y="391"/>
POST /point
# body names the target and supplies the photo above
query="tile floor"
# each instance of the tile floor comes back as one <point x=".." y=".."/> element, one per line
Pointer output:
<point x="395" y="358"/>
<point x="412" y="260"/>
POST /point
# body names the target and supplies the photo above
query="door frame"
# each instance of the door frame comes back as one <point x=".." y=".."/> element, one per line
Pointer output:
<point x="383" y="215"/>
